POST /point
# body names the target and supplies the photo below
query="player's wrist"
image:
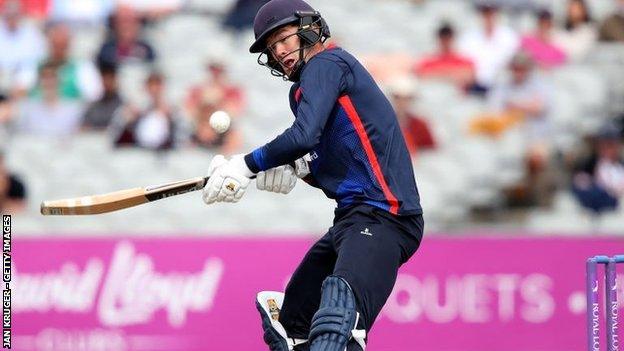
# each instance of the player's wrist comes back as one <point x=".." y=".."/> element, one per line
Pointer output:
<point x="239" y="163"/>
<point x="251" y="164"/>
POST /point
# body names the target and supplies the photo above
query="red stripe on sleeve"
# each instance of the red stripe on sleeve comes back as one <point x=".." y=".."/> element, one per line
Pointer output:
<point x="298" y="94"/>
<point x="346" y="103"/>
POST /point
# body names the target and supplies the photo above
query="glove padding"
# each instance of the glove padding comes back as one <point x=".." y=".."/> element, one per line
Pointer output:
<point x="302" y="166"/>
<point x="228" y="179"/>
<point x="284" y="178"/>
<point x="280" y="179"/>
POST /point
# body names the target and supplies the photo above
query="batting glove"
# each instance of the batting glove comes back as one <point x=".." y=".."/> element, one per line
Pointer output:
<point x="228" y="179"/>
<point x="280" y="179"/>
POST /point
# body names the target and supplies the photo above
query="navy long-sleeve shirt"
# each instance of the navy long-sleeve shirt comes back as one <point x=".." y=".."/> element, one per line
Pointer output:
<point x="349" y="129"/>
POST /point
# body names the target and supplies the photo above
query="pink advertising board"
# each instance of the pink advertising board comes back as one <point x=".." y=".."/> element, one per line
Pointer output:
<point x="468" y="293"/>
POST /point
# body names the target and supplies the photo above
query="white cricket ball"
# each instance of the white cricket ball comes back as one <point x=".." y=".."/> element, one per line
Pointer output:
<point x="220" y="121"/>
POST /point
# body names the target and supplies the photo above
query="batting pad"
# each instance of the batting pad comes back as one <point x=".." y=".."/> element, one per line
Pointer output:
<point x="334" y="323"/>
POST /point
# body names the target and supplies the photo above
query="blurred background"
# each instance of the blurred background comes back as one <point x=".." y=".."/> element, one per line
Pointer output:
<point x="513" y="111"/>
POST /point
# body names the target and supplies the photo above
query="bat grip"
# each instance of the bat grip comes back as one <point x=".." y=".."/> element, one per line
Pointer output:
<point x="206" y="179"/>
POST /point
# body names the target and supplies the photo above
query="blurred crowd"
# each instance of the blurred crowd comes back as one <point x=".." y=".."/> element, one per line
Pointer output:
<point x="45" y="91"/>
<point x="511" y="72"/>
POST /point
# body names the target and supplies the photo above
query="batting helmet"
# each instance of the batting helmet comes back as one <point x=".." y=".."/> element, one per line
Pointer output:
<point x="278" y="13"/>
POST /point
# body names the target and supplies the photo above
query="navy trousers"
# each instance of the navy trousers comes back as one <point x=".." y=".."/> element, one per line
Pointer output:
<point x="365" y="246"/>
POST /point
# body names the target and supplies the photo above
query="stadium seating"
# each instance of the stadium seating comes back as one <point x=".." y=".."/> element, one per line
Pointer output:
<point x="466" y="172"/>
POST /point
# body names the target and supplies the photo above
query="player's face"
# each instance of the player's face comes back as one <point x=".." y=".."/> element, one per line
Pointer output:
<point x="284" y="46"/>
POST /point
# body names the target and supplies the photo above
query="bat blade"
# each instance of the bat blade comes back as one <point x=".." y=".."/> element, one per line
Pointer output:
<point x="110" y="202"/>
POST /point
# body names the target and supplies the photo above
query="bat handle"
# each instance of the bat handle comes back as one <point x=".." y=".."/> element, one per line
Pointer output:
<point x="206" y="179"/>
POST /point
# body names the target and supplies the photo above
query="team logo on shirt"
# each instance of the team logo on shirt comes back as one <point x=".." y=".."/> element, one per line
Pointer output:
<point x="366" y="232"/>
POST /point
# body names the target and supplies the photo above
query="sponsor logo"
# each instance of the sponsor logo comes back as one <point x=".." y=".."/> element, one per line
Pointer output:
<point x="595" y="325"/>
<point x="128" y="290"/>
<point x="473" y="299"/>
<point x="366" y="232"/>
<point x="614" y="339"/>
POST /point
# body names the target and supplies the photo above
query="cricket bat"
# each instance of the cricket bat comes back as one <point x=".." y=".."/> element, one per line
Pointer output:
<point x="118" y="200"/>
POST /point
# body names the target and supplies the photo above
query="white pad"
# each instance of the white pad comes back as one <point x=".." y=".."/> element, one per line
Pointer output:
<point x="359" y="335"/>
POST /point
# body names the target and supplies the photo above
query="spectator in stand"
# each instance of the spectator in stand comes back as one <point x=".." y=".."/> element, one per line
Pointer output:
<point x="81" y="13"/>
<point x="12" y="191"/>
<point x="599" y="181"/>
<point x="153" y="10"/>
<point x="48" y="114"/>
<point x="612" y="29"/>
<point x="205" y="136"/>
<point x="387" y="67"/>
<point x="156" y="127"/>
<point x="416" y="131"/>
<point x="579" y="35"/>
<point x="22" y="44"/>
<point x="124" y="43"/>
<point x="228" y="96"/>
<point x="524" y="101"/>
<point x="78" y="80"/>
<point x="490" y="47"/>
<point x="36" y="10"/>
<point x="241" y="15"/>
<point x="540" y="45"/>
<point x="447" y="64"/>
<point x="100" y="113"/>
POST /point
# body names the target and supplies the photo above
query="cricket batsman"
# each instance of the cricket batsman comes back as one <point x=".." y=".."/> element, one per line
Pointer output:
<point x="346" y="141"/>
